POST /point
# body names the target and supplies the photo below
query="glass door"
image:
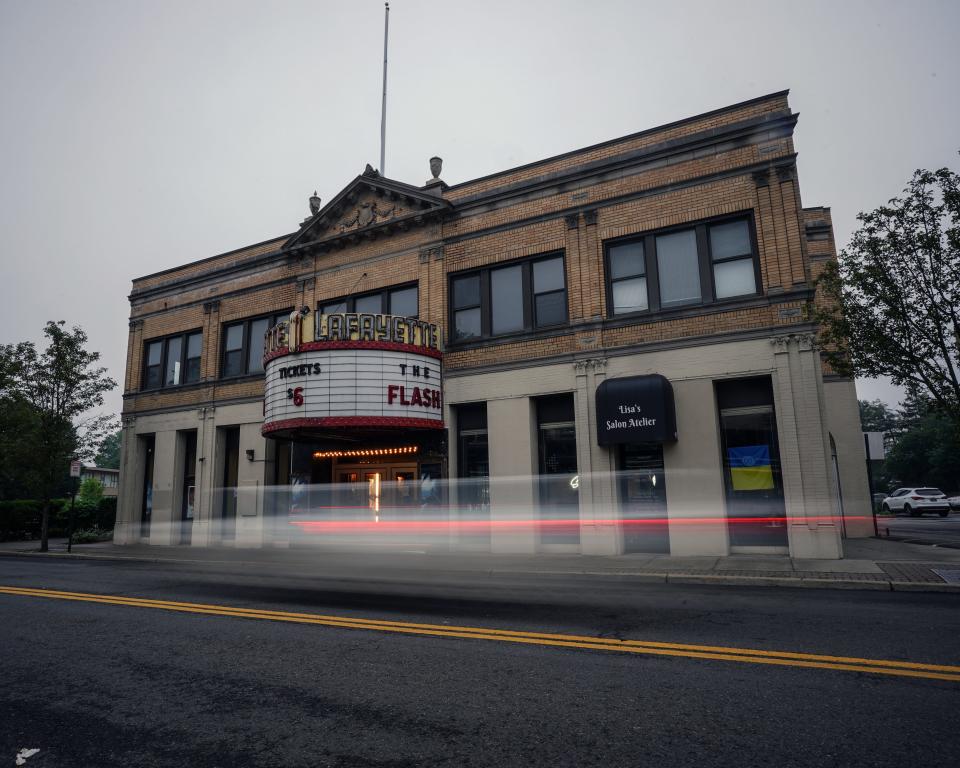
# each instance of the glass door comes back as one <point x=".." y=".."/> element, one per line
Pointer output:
<point x="643" y="499"/>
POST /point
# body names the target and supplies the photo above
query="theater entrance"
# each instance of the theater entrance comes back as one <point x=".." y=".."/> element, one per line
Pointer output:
<point x="378" y="486"/>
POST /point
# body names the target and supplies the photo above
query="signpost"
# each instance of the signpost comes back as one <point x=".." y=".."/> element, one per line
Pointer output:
<point x="873" y="445"/>
<point x="75" y="467"/>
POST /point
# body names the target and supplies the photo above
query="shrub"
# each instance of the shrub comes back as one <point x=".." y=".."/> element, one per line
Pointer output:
<point x="20" y="519"/>
<point x="90" y="535"/>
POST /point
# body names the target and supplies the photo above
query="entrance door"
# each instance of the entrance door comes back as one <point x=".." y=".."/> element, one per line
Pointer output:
<point x="643" y="499"/>
<point x="188" y="500"/>
<point x="751" y="460"/>
<point x="380" y="490"/>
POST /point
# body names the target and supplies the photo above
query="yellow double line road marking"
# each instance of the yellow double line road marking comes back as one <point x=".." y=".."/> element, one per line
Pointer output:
<point x="715" y="653"/>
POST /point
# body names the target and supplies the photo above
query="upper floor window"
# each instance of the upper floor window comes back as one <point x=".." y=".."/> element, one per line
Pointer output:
<point x="243" y="344"/>
<point x="731" y="252"/>
<point x="172" y="361"/>
<point x="402" y="301"/>
<point x="510" y="298"/>
<point x="682" y="266"/>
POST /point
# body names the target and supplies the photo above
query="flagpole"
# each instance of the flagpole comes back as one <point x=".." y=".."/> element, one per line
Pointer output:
<point x="383" y="113"/>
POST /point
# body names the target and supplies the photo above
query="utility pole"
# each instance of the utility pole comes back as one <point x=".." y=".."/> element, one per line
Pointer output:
<point x="383" y="111"/>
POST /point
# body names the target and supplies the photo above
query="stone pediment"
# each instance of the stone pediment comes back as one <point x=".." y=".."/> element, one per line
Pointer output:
<point x="369" y="206"/>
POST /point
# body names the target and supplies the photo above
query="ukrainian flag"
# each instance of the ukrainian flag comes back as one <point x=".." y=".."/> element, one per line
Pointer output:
<point x="750" y="468"/>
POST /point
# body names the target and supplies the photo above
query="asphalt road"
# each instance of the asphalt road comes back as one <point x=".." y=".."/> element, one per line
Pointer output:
<point x="104" y="684"/>
<point x="928" y="529"/>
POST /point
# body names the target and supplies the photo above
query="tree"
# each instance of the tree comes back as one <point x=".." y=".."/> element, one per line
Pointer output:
<point x="109" y="454"/>
<point x="927" y="450"/>
<point x="90" y="493"/>
<point x="58" y="386"/>
<point x="877" y="416"/>
<point x="18" y="419"/>
<point x="892" y="301"/>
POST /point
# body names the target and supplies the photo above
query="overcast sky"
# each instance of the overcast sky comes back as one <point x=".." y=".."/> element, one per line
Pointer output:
<point x="138" y="136"/>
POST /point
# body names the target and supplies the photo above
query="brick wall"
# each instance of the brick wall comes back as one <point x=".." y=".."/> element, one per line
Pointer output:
<point x="532" y="212"/>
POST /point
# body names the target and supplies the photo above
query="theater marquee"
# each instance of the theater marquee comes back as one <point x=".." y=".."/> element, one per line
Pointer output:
<point x="352" y="370"/>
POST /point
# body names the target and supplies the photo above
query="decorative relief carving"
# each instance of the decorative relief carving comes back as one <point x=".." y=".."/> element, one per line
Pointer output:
<point x="597" y="365"/>
<point x="434" y="252"/>
<point x="367" y="213"/>
<point x="136" y="323"/>
<point x="805" y="342"/>
<point x="785" y="172"/>
<point x="211" y="306"/>
<point x="761" y="178"/>
<point x="573" y="220"/>
<point x="590" y="217"/>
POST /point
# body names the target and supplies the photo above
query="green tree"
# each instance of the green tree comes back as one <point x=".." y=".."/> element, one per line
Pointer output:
<point x="893" y="298"/>
<point x="58" y="385"/>
<point x="109" y="454"/>
<point x="877" y="416"/>
<point x="927" y="451"/>
<point x="89" y="494"/>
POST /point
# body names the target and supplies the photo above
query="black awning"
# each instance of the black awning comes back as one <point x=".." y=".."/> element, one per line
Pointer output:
<point x="636" y="409"/>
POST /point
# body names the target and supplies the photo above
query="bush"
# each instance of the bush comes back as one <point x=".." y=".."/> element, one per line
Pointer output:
<point x="21" y="519"/>
<point x="90" y="535"/>
<point x="106" y="515"/>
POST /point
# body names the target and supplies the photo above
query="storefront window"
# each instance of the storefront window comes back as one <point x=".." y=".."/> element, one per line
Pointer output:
<point x="756" y="513"/>
<point x="473" y="461"/>
<point x="559" y="480"/>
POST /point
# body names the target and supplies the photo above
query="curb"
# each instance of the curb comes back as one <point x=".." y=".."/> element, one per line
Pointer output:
<point x="650" y="577"/>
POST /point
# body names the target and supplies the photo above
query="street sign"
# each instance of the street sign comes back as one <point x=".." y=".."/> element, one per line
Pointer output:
<point x="875" y="447"/>
<point x="75" y="468"/>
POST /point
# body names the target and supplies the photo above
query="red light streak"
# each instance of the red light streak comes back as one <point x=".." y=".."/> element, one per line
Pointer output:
<point x="421" y="526"/>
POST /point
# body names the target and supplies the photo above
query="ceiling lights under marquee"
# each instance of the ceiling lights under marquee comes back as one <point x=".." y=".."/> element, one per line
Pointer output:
<point x="402" y="451"/>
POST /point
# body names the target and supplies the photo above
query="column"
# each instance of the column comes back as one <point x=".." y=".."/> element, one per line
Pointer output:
<point x="205" y="496"/>
<point x="126" y="529"/>
<point x="599" y="532"/>
<point x="693" y="473"/>
<point x="513" y="464"/>
<point x="251" y="528"/>
<point x="163" y="516"/>
<point x="804" y="454"/>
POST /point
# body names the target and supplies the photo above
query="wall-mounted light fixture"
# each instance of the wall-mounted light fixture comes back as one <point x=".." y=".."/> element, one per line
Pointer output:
<point x="249" y="454"/>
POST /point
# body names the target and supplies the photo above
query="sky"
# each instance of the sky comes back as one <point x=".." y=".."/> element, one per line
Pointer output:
<point x="138" y="136"/>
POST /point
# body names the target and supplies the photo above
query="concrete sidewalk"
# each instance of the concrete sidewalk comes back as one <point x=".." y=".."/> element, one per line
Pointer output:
<point x="875" y="564"/>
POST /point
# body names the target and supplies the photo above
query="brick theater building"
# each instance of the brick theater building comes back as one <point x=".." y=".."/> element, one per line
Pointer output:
<point x="612" y="348"/>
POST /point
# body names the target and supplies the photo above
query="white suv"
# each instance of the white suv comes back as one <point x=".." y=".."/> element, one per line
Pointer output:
<point x="916" y="501"/>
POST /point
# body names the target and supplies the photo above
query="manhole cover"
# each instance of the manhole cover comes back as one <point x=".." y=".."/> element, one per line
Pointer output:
<point x="950" y="576"/>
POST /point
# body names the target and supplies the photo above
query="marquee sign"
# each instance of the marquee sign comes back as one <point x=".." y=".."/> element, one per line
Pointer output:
<point x="636" y="409"/>
<point x="352" y="370"/>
